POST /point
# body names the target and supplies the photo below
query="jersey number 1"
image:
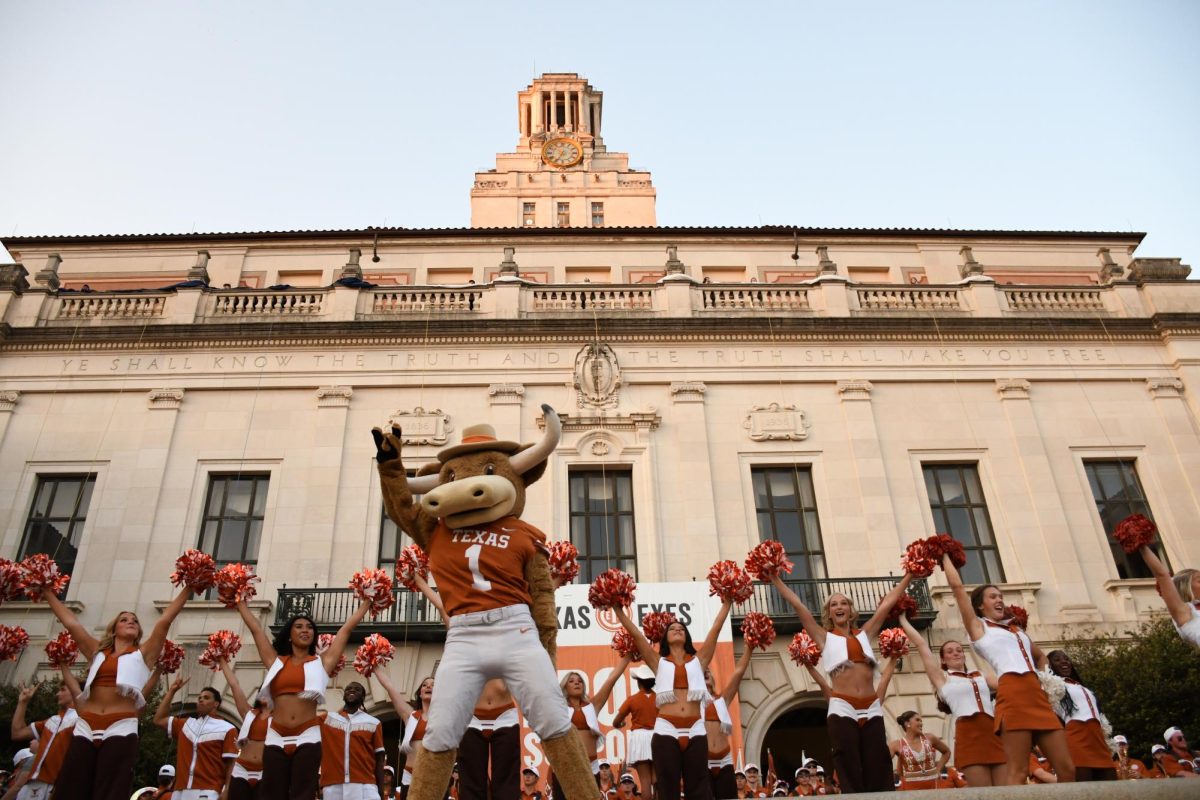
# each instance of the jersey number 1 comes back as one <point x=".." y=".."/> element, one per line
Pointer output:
<point x="480" y="583"/>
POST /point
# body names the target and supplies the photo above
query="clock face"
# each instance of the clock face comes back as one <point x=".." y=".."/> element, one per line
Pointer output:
<point x="562" y="152"/>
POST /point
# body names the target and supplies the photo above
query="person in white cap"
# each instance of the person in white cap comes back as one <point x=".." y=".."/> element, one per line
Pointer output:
<point x="627" y="788"/>
<point x="166" y="783"/>
<point x="1128" y="768"/>
<point x="754" y="787"/>
<point x="1180" y="592"/>
<point x="642" y="710"/>
<point x="22" y="766"/>
<point x="1177" y="752"/>
<point x="1156" y="756"/>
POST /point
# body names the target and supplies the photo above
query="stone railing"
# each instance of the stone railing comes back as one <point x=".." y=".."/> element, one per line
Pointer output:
<point x="908" y="298"/>
<point x="423" y="300"/>
<point x="754" y="298"/>
<point x="96" y="306"/>
<point x="281" y="303"/>
<point x="1052" y="299"/>
<point x="592" y="298"/>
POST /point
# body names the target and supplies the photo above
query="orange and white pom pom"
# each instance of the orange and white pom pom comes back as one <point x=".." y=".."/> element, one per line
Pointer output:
<point x="39" y="572"/>
<point x="412" y="563"/>
<point x="373" y="653"/>
<point x="655" y="625"/>
<point x="196" y="570"/>
<point x="893" y="643"/>
<point x="946" y="545"/>
<point x="235" y="584"/>
<point x="758" y="631"/>
<point x="564" y="562"/>
<point x="804" y="650"/>
<point x="11" y="587"/>
<point x="170" y="659"/>
<point x="612" y="589"/>
<point x="13" y="641"/>
<point x="729" y="582"/>
<point x="906" y="605"/>
<point x="1018" y="615"/>
<point x="1134" y="532"/>
<point x="221" y="645"/>
<point x="323" y="643"/>
<point x="625" y="645"/>
<point x="767" y="560"/>
<point x="919" y="559"/>
<point x="61" y="651"/>
<point x="374" y="586"/>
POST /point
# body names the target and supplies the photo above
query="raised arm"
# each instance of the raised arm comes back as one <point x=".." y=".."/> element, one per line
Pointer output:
<point x="161" y="714"/>
<point x="810" y="623"/>
<point x="815" y="674"/>
<point x="735" y="680"/>
<point x="20" y="731"/>
<point x="885" y="678"/>
<point x="1181" y="612"/>
<point x="1039" y="657"/>
<point x="933" y="668"/>
<point x="875" y="623"/>
<point x="88" y="644"/>
<point x="240" y="701"/>
<point x="153" y="644"/>
<point x="340" y="639"/>
<point x="600" y="696"/>
<point x="71" y="681"/>
<point x="152" y="681"/>
<point x="433" y="597"/>
<point x="963" y="600"/>
<point x="402" y="708"/>
<point x="622" y="713"/>
<point x="705" y="653"/>
<point x="262" y="642"/>
<point x="649" y="654"/>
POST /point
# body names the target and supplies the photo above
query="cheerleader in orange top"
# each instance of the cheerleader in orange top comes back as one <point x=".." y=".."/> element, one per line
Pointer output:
<point x="489" y="755"/>
<point x="1023" y="714"/>
<point x="1085" y="736"/>
<point x="295" y="684"/>
<point x="718" y="725"/>
<point x="978" y="752"/>
<point x="251" y="738"/>
<point x="584" y="712"/>
<point x="640" y="707"/>
<point x="917" y="755"/>
<point x="413" y="716"/>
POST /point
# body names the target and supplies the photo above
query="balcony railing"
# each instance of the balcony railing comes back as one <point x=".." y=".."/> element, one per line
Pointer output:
<point x="863" y="592"/>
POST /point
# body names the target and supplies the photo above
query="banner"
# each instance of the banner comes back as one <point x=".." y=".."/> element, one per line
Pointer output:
<point x="585" y="646"/>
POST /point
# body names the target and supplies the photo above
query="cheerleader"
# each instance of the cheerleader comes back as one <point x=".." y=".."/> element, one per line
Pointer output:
<point x="917" y="755"/>
<point x="104" y="746"/>
<point x="640" y="708"/>
<point x="718" y="725"/>
<point x="1181" y="594"/>
<point x="1023" y="713"/>
<point x="855" y="717"/>
<point x="1090" y="752"/>
<point x="680" y="743"/>
<point x="294" y="686"/>
<point x="247" y="770"/>
<point x="489" y="755"/>
<point x="413" y="716"/>
<point x="583" y="713"/>
<point x="978" y="752"/>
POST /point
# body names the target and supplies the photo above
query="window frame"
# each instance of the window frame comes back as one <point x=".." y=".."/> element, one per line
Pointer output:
<point x="597" y="214"/>
<point x="940" y="516"/>
<point x="614" y="557"/>
<point x="1129" y="566"/>
<point x="528" y="214"/>
<point x="562" y="216"/>
<point x="808" y="557"/>
<point x="259" y="477"/>
<point x="73" y="521"/>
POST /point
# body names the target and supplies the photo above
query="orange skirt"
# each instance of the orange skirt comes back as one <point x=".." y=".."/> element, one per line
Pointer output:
<point x="976" y="742"/>
<point x="1022" y="705"/>
<point x="917" y="785"/>
<point x="1088" y="746"/>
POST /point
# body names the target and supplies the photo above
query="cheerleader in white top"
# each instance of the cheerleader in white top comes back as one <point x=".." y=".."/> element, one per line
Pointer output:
<point x="967" y="696"/>
<point x="718" y="724"/>
<point x="1023" y="714"/>
<point x="855" y="719"/>
<point x="1181" y="594"/>
<point x="1080" y="709"/>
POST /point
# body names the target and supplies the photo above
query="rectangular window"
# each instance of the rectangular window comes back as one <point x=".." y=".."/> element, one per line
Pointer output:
<point x="787" y="511"/>
<point x="55" y="522"/>
<point x="602" y="521"/>
<point x="960" y="509"/>
<point x="597" y="215"/>
<point x="564" y="215"/>
<point x="233" y="517"/>
<point x="391" y="540"/>
<point x="528" y="214"/>
<point x="1118" y="494"/>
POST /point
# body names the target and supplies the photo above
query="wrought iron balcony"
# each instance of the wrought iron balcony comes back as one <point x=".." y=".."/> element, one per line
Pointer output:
<point x="863" y="592"/>
<point x="411" y="617"/>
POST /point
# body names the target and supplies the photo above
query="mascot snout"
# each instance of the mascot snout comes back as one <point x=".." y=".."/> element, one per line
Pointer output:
<point x="471" y="501"/>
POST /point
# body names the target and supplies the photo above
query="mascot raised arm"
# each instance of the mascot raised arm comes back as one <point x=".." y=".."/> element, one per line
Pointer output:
<point x="494" y="581"/>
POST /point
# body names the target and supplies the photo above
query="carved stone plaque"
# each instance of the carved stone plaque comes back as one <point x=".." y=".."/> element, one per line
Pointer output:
<point x="775" y="421"/>
<point x="597" y="377"/>
<point x="422" y="427"/>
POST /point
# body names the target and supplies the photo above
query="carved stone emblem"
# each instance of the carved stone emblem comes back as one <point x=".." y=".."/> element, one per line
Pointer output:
<point x="422" y="427"/>
<point x="597" y="377"/>
<point x="775" y="421"/>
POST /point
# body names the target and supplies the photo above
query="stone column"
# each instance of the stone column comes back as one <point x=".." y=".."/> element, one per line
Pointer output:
<point x="692" y="503"/>
<point x="539" y="105"/>
<point x="1182" y="486"/>
<point x="8" y="405"/>
<point x="568" y="108"/>
<point x="506" y="401"/>
<point x="585" y="113"/>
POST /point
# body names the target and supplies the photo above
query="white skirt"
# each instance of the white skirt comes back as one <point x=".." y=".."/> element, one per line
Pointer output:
<point x="639" y="746"/>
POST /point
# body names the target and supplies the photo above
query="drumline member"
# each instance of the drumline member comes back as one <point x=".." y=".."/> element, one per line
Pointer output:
<point x="978" y="752"/>
<point x="1023" y="714"/>
<point x="919" y="768"/>
<point x="1080" y="710"/>
<point x="1181" y="593"/>
<point x="641" y="708"/>
<point x="205" y="745"/>
<point x="52" y="736"/>
<point x="413" y="716"/>
<point x="493" y="739"/>
<point x="251" y="738"/>
<point x="680" y="743"/>
<point x="583" y="713"/>
<point x="718" y="725"/>
<point x="855" y="717"/>
<point x="104" y="745"/>
<point x="295" y="684"/>
<point x="352" y="754"/>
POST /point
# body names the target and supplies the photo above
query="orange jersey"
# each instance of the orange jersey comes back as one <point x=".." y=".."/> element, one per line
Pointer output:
<point x="483" y="567"/>
<point x="348" y="748"/>
<point x="1171" y="766"/>
<point x="202" y="745"/>
<point x="53" y="738"/>
<point x="642" y="709"/>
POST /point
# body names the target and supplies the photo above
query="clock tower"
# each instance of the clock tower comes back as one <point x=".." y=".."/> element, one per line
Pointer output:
<point x="561" y="174"/>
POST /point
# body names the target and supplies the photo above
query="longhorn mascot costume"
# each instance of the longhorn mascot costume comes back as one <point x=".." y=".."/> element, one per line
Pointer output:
<point x="495" y="583"/>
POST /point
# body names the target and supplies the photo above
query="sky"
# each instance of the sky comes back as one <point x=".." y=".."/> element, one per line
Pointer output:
<point x="142" y="117"/>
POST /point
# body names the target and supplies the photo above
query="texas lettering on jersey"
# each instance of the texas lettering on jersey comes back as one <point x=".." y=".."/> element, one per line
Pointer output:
<point x="481" y="568"/>
<point x="489" y="538"/>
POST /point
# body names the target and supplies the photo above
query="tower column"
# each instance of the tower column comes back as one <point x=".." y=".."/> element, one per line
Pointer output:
<point x="537" y="111"/>
<point x="569" y="109"/>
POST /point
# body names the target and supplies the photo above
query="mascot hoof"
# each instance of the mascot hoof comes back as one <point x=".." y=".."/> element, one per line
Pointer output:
<point x="431" y="775"/>
<point x="571" y="766"/>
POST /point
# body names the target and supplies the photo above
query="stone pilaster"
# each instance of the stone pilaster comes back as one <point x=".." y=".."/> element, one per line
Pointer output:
<point x="1182" y="439"/>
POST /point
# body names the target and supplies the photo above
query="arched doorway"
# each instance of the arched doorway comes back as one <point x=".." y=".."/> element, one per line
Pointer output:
<point x="794" y="735"/>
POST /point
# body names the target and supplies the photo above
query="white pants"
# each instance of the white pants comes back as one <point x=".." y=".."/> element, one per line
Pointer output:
<point x="501" y="643"/>
<point x="194" y="794"/>
<point x="34" y="790"/>
<point x="350" y="791"/>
